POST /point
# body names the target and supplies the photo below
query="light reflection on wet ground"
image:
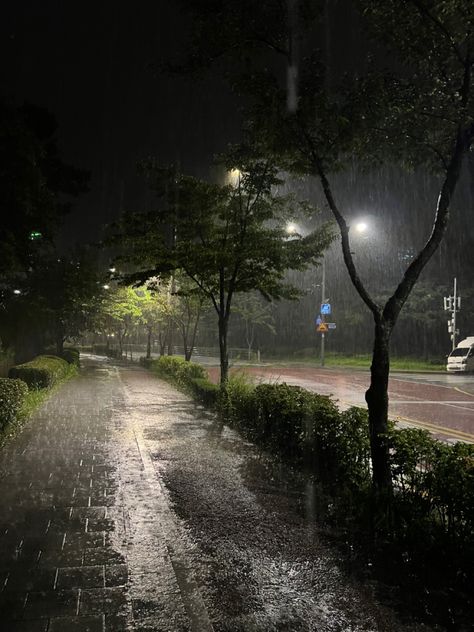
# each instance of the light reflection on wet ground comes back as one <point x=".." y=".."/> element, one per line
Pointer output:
<point x="249" y="534"/>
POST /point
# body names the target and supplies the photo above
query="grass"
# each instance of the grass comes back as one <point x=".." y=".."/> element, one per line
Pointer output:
<point x="34" y="399"/>
<point x="363" y="362"/>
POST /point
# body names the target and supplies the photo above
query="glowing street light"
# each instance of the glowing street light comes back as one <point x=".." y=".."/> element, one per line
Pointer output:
<point x="17" y="292"/>
<point x="361" y="227"/>
<point x="291" y="228"/>
<point x="106" y="287"/>
<point x="234" y="177"/>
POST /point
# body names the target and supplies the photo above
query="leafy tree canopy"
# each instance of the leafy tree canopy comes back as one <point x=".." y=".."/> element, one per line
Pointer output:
<point x="35" y="184"/>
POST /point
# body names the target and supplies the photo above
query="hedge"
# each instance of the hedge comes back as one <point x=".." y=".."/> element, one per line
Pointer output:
<point x="179" y="370"/>
<point x="12" y="395"/>
<point x="71" y="355"/>
<point x="41" y="372"/>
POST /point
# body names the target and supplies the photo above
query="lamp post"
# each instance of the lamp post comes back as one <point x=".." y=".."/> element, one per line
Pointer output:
<point x="323" y="300"/>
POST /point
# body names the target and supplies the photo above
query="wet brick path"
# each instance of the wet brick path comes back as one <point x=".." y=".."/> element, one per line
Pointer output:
<point x="81" y="540"/>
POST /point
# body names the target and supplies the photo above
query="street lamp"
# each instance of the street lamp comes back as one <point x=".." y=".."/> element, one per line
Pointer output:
<point x="291" y="228"/>
<point x="234" y="177"/>
<point x="361" y="227"/>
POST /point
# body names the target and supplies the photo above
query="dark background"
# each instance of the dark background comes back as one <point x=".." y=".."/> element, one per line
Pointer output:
<point x="95" y="65"/>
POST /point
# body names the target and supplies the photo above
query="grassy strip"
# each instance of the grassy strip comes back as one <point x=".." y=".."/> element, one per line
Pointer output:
<point x="361" y="362"/>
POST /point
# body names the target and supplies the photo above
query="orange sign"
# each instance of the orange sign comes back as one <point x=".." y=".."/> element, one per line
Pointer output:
<point x="322" y="328"/>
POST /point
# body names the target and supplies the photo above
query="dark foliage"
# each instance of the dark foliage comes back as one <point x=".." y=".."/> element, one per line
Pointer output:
<point x="12" y="395"/>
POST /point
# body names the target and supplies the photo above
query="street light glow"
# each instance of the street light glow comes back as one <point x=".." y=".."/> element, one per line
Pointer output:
<point x="291" y="228"/>
<point x="17" y="292"/>
<point x="234" y="176"/>
<point x="361" y="227"/>
<point x="106" y="287"/>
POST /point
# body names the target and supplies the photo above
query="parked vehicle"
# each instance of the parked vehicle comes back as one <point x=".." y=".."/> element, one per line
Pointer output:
<point x="462" y="358"/>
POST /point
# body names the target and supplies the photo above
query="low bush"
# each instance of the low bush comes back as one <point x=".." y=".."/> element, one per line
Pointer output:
<point x="434" y="485"/>
<point x="41" y="372"/>
<point x="146" y="362"/>
<point x="305" y="428"/>
<point x="204" y="391"/>
<point x="180" y="371"/>
<point x="236" y="402"/>
<point x="71" y="355"/>
<point x="13" y="393"/>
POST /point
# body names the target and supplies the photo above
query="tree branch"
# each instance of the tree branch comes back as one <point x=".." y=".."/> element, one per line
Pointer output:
<point x="423" y="9"/>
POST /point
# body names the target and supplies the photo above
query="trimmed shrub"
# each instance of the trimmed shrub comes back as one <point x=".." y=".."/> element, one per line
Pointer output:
<point x="146" y="362"/>
<point x="178" y="369"/>
<point x="41" y="372"/>
<point x="12" y="395"/>
<point x="236" y="402"/>
<point x="434" y="484"/>
<point x="283" y="418"/>
<point x="338" y="443"/>
<point x="71" y="355"/>
<point x="204" y="391"/>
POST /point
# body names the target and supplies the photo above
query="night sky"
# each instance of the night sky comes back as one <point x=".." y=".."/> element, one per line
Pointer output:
<point x="92" y="65"/>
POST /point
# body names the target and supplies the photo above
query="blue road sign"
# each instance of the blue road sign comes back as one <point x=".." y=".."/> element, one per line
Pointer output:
<point x="325" y="308"/>
<point x="319" y="320"/>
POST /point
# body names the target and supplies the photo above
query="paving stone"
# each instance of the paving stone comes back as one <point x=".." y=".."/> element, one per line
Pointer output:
<point x="89" y="539"/>
<point x="102" y="556"/>
<point x="119" y="624"/>
<point x="116" y="575"/>
<point x="70" y="555"/>
<point x="77" y="624"/>
<point x="12" y="605"/>
<point x="91" y="513"/>
<point x="158" y="612"/>
<point x="51" y="603"/>
<point x="81" y="577"/>
<point x="104" y="601"/>
<point x="41" y="579"/>
<point x="35" y="625"/>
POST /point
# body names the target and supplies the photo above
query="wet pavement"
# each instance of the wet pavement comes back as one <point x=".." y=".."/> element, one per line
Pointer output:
<point x="124" y="506"/>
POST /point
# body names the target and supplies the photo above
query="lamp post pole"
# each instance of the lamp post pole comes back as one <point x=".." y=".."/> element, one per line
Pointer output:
<point x="323" y="300"/>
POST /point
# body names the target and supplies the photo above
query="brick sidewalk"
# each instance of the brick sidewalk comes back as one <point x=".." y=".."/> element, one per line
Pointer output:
<point x="81" y="530"/>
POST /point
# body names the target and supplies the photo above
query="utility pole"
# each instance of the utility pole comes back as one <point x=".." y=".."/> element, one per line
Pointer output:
<point x="323" y="300"/>
<point x="453" y="304"/>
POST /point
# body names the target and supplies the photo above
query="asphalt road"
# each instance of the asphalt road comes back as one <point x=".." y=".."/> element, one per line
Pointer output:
<point x="440" y="403"/>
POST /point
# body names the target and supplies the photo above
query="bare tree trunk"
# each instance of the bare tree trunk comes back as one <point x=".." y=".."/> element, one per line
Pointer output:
<point x="224" y="357"/>
<point x="377" y="401"/>
<point x="148" y="343"/>
<point x="194" y="333"/>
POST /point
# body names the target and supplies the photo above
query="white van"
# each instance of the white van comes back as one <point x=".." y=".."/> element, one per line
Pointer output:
<point x="462" y="358"/>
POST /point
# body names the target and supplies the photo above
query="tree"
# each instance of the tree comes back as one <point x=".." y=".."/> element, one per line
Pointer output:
<point x="35" y="185"/>
<point x="418" y="112"/>
<point x="187" y="306"/>
<point x="58" y="301"/>
<point x="121" y="311"/>
<point x="255" y="313"/>
<point x="155" y="310"/>
<point x="226" y="239"/>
